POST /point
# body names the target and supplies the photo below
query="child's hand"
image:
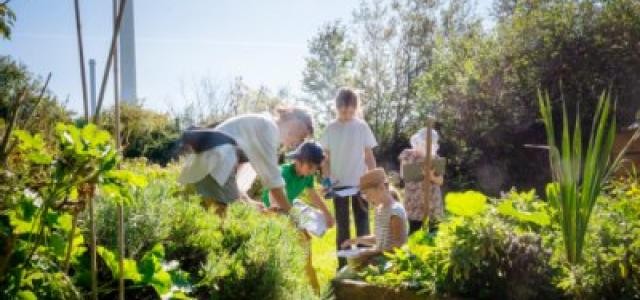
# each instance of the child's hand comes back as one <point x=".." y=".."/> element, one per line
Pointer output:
<point x="435" y="178"/>
<point x="347" y="243"/>
<point x="326" y="183"/>
<point x="329" y="220"/>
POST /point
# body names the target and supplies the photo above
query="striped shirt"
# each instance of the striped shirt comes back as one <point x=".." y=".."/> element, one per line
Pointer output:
<point x="383" y="223"/>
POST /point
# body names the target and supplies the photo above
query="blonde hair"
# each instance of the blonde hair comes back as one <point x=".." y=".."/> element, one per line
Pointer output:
<point x="394" y="193"/>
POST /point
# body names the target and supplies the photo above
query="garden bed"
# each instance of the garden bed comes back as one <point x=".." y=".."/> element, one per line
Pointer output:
<point x="355" y="289"/>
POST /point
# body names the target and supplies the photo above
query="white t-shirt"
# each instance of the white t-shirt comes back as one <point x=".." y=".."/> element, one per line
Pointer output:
<point x="257" y="135"/>
<point x="346" y="142"/>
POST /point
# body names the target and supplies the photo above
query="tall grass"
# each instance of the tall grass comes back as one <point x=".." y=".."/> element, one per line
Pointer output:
<point x="579" y="174"/>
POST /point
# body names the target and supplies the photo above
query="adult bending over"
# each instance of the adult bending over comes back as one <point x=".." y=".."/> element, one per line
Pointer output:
<point x="252" y="138"/>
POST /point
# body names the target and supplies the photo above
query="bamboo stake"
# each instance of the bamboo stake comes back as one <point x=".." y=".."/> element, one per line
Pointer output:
<point x="94" y="254"/>
<point x="112" y="49"/>
<point x="426" y="185"/>
<point x="116" y="120"/>
<point x="85" y="101"/>
<point x="83" y="78"/>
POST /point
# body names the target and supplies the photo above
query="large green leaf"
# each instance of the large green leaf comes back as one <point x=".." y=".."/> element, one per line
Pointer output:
<point x="152" y="272"/>
<point x="127" y="177"/>
<point x="537" y="217"/>
<point x="111" y="260"/>
<point x="26" y="295"/>
<point x="466" y="204"/>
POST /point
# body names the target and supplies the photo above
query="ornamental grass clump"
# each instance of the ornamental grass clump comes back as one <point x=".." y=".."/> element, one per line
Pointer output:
<point x="579" y="170"/>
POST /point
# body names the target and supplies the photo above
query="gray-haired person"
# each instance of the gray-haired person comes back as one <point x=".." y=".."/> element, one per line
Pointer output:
<point x="252" y="138"/>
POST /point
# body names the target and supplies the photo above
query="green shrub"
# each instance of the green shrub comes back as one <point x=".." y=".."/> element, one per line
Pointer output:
<point x="251" y="256"/>
<point x="145" y="133"/>
<point x="611" y="263"/>
<point x="47" y="185"/>
<point x="480" y="251"/>
<point x="245" y="256"/>
<point x="509" y="249"/>
<point x="147" y="214"/>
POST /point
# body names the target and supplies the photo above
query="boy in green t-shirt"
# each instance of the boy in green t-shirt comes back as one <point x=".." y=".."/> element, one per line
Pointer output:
<point x="298" y="178"/>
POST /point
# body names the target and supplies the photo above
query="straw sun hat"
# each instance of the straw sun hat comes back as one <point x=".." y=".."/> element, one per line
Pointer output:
<point x="373" y="178"/>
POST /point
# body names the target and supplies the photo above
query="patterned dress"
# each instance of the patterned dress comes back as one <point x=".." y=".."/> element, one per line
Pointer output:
<point x="414" y="200"/>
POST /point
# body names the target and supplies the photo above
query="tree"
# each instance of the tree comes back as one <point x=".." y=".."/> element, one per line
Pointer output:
<point x="328" y="67"/>
<point x="209" y="103"/>
<point x="484" y="84"/>
<point x="35" y="114"/>
<point x="7" y="18"/>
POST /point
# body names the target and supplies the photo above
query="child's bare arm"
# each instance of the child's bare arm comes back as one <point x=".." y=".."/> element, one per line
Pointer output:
<point x="280" y="198"/>
<point x="317" y="202"/>
<point x="369" y="240"/>
<point x="326" y="166"/>
<point x="397" y="232"/>
<point x="369" y="158"/>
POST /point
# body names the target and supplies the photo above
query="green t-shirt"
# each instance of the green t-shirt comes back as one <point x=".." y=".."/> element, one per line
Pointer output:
<point x="294" y="183"/>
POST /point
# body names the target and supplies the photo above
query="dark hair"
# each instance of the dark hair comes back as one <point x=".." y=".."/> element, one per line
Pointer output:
<point x="346" y="97"/>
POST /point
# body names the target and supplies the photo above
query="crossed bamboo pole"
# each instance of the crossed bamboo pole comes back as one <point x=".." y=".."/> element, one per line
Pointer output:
<point x="112" y="59"/>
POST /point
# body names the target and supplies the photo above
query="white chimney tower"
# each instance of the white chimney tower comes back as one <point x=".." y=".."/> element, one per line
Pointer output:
<point x="92" y="85"/>
<point x="127" y="58"/>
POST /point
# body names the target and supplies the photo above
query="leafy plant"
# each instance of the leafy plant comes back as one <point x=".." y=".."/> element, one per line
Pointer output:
<point x="47" y="185"/>
<point x="147" y="212"/>
<point x="579" y="174"/>
<point x="151" y="270"/>
<point x="263" y="252"/>
<point x="466" y="204"/>
<point x="610" y="264"/>
<point x="477" y="252"/>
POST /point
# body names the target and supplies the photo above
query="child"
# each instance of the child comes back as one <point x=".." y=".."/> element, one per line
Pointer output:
<point x="348" y="142"/>
<point x="298" y="177"/>
<point x="390" y="217"/>
<point x="414" y="198"/>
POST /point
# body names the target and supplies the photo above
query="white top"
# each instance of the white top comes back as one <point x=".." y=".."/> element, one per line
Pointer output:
<point x="383" y="223"/>
<point x="346" y="143"/>
<point x="257" y="135"/>
<point x="419" y="141"/>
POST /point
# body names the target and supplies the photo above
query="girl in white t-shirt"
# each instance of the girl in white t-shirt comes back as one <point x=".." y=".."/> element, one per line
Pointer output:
<point x="348" y="143"/>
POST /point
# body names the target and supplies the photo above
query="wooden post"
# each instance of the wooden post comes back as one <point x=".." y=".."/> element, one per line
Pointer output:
<point x="85" y="102"/>
<point x="107" y="67"/>
<point x="116" y="134"/>
<point x="426" y="185"/>
<point x="83" y="77"/>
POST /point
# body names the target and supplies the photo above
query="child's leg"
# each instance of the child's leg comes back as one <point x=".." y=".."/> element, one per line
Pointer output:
<point x="360" y="215"/>
<point x="311" y="272"/>
<point x="341" y="206"/>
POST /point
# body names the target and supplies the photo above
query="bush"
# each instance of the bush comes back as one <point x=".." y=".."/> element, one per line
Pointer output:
<point x="611" y="267"/>
<point x="482" y="250"/>
<point x="148" y="213"/>
<point x="36" y="115"/>
<point x="145" y="133"/>
<point x="246" y="255"/>
<point x="511" y="248"/>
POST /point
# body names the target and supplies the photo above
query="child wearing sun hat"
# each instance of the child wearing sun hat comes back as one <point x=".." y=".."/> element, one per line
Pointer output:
<point x="391" y="229"/>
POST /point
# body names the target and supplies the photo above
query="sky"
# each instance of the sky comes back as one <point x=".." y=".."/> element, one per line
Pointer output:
<point x="177" y="43"/>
